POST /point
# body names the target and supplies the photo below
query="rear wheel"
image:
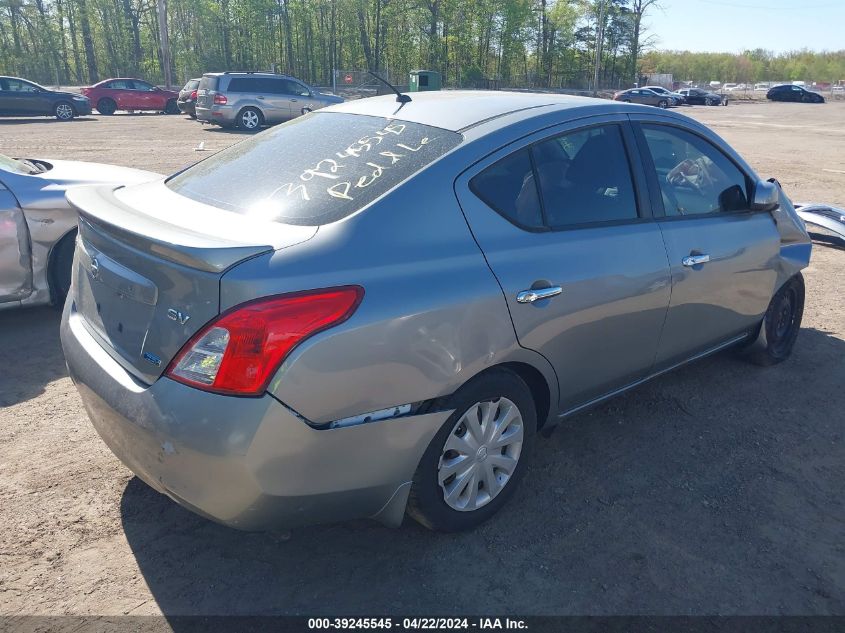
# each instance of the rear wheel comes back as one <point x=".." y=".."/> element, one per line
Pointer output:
<point x="474" y="463"/>
<point x="63" y="111"/>
<point x="250" y="119"/>
<point x="172" y="107"/>
<point x="106" y="106"/>
<point x="780" y="325"/>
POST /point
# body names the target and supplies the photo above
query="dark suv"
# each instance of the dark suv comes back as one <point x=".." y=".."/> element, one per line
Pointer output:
<point x="19" y="97"/>
<point x="249" y="100"/>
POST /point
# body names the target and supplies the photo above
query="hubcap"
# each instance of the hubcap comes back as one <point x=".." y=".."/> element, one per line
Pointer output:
<point x="480" y="454"/>
<point x="783" y="317"/>
<point x="64" y="111"/>
<point x="250" y="119"/>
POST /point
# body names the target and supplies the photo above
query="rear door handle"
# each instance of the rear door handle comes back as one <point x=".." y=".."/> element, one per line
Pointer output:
<point x="695" y="260"/>
<point x="535" y="294"/>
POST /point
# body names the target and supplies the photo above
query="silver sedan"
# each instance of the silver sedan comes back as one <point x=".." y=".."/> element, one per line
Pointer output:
<point x="382" y="322"/>
<point x="38" y="227"/>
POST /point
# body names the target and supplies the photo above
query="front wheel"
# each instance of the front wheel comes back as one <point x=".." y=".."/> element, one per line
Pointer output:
<point x="61" y="266"/>
<point x="63" y="111"/>
<point x="663" y="104"/>
<point x="474" y="463"/>
<point x="780" y="324"/>
<point x="172" y="107"/>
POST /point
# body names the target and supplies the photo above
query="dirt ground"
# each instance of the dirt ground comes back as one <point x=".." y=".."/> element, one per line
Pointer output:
<point x="717" y="489"/>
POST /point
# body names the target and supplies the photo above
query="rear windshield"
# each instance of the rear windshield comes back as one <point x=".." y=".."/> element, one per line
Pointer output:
<point x="193" y="84"/>
<point x="208" y="82"/>
<point x="315" y="169"/>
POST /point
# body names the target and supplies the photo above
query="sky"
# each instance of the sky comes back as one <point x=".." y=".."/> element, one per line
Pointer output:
<point x="726" y="26"/>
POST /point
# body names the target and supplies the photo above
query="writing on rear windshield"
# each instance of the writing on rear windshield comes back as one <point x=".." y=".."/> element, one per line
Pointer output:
<point x="341" y="177"/>
<point x="314" y="169"/>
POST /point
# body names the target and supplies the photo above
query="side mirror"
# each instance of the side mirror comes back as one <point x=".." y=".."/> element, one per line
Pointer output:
<point x="766" y="196"/>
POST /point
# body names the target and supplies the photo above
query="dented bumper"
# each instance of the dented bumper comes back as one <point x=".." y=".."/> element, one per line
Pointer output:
<point x="249" y="463"/>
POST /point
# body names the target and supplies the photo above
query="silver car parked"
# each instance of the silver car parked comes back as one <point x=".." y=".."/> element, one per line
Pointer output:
<point x="250" y="100"/>
<point x="382" y="322"/>
<point x="38" y="227"/>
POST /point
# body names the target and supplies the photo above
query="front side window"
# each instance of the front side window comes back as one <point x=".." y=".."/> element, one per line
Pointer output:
<point x="16" y="85"/>
<point x="143" y="85"/>
<point x="694" y="176"/>
<point x="585" y="177"/>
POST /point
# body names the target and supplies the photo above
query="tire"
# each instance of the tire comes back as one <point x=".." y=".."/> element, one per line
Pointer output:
<point x="781" y="325"/>
<point x="626" y="100"/>
<point x="663" y="104"/>
<point x="61" y="267"/>
<point x="306" y="111"/>
<point x="106" y="106"/>
<point x="250" y="119"/>
<point x="499" y="391"/>
<point x="63" y="111"/>
<point x="171" y="107"/>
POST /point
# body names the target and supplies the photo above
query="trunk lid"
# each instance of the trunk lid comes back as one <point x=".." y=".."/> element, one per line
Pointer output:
<point x="148" y="267"/>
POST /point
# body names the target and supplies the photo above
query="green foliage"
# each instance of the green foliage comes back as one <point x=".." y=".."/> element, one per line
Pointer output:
<point x="519" y="43"/>
<point x="747" y="67"/>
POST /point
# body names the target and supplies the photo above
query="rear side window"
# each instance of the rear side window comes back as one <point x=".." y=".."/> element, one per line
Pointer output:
<point x="243" y="84"/>
<point x="314" y="169"/>
<point x="119" y="84"/>
<point x="694" y="176"/>
<point x="509" y="187"/>
<point x="585" y="177"/>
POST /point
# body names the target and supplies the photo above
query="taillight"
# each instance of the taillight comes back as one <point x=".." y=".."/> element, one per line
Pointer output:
<point x="238" y="352"/>
<point x="193" y="95"/>
<point x="220" y="99"/>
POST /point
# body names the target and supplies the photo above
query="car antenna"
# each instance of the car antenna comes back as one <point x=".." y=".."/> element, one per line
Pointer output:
<point x="400" y="98"/>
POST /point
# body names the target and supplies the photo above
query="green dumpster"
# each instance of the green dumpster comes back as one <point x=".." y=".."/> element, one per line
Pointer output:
<point x="422" y="80"/>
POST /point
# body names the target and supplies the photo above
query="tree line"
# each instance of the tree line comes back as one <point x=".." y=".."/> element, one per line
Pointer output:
<point x="473" y="43"/>
<point x="530" y="43"/>
<point x="747" y="67"/>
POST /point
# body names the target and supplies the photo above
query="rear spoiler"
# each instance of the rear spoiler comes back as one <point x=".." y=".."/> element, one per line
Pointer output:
<point x="100" y="208"/>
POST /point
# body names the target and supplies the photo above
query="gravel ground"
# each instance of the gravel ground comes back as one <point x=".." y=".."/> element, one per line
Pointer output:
<point x="716" y="489"/>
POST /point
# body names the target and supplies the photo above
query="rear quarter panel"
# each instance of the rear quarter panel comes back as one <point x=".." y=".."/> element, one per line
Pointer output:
<point x="432" y="317"/>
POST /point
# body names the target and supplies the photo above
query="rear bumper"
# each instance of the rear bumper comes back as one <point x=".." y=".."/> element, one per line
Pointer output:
<point x="219" y="114"/>
<point x="249" y="463"/>
<point x="187" y="107"/>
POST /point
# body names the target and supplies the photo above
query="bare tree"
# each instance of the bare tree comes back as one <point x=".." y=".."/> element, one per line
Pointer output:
<point x="638" y="10"/>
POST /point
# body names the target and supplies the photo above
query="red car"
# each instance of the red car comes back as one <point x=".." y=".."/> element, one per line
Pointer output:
<point x="130" y="94"/>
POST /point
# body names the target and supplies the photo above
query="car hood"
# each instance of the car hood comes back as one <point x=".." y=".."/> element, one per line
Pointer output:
<point x="70" y="173"/>
<point x="69" y="95"/>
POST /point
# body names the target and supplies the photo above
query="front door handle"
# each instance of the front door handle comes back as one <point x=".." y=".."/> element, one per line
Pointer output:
<point x="259" y="97"/>
<point x="535" y="294"/>
<point x="695" y="260"/>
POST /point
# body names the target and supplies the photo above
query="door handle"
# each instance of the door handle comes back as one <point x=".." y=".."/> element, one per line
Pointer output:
<point x="695" y="260"/>
<point x="262" y="98"/>
<point x="535" y="294"/>
<point x="294" y="100"/>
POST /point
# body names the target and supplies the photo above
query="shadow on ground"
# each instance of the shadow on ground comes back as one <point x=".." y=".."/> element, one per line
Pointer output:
<point x="25" y="374"/>
<point x="716" y="489"/>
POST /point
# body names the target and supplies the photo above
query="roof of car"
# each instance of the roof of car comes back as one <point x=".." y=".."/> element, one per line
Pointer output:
<point x="460" y="109"/>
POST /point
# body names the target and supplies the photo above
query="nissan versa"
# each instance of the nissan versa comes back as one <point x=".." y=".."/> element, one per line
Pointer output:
<point x="373" y="309"/>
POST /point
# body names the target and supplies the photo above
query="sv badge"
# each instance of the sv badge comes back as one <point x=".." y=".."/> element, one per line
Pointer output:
<point x="174" y="315"/>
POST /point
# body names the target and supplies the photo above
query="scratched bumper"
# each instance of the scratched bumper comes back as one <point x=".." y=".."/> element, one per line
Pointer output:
<point x="248" y="463"/>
